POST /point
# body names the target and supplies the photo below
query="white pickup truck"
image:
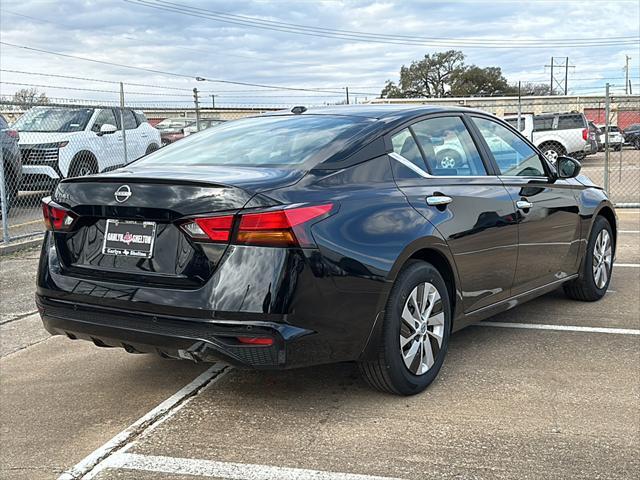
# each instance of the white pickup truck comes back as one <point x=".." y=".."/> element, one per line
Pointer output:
<point x="556" y="134"/>
<point x="61" y="142"/>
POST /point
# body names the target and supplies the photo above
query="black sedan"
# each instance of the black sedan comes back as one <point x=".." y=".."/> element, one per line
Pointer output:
<point x="310" y="237"/>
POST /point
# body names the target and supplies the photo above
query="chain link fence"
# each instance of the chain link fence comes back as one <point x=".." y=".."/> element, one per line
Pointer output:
<point x="44" y="143"/>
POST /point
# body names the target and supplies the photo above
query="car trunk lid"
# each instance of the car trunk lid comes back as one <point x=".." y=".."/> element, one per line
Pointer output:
<point x="117" y="205"/>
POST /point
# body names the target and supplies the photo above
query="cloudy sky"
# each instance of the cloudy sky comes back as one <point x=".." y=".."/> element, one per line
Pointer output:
<point x="309" y="45"/>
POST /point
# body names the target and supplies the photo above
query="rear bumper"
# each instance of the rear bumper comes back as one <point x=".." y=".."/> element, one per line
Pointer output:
<point x="192" y="339"/>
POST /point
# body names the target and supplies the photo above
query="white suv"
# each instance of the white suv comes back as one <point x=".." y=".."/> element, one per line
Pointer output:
<point x="61" y="142"/>
<point x="556" y="134"/>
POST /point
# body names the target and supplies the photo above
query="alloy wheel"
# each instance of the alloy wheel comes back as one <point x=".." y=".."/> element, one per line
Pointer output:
<point x="448" y="162"/>
<point x="422" y="328"/>
<point x="551" y="155"/>
<point x="602" y="255"/>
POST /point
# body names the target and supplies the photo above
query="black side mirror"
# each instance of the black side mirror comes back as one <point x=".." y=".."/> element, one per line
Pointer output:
<point x="568" y="167"/>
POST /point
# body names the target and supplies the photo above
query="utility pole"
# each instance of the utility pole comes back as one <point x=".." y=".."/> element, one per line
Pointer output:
<point x="607" y="113"/>
<point x="346" y="89"/>
<point x="195" y="100"/>
<point x="519" y="106"/>
<point x="626" y="74"/>
<point x="213" y="101"/>
<point x="124" y="130"/>
<point x="561" y="82"/>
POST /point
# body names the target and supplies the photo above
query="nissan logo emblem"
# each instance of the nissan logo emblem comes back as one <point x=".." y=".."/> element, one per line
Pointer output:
<point x="122" y="194"/>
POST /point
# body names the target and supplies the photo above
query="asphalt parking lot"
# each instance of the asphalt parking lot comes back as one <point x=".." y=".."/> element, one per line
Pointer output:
<point x="550" y="389"/>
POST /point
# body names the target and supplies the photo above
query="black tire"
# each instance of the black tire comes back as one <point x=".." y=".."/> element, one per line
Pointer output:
<point x="151" y="148"/>
<point x="585" y="288"/>
<point x="552" y="151"/>
<point x="83" y="165"/>
<point x="388" y="371"/>
<point x="636" y="143"/>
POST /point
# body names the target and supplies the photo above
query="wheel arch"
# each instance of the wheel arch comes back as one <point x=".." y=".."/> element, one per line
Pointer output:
<point x="608" y="213"/>
<point x="551" y="141"/>
<point x="436" y="252"/>
<point x="84" y="153"/>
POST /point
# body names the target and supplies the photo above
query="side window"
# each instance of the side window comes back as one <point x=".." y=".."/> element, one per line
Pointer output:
<point x="405" y="145"/>
<point x="512" y="154"/>
<point x="129" y="120"/>
<point x="105" y="116"/>
<point x="140" y="118"/>
<point x="566" y="122"/>
<point x="514" y="123"/>
<point x="448" y="147"/>
<point x="541" y="124"/>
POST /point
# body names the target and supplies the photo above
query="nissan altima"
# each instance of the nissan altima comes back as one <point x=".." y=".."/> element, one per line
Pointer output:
<point x="316" y="236"/>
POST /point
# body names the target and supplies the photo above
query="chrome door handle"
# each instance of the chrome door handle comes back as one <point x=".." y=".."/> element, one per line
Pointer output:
<point x="523" y="204"/>
<point x="437" y="200"/>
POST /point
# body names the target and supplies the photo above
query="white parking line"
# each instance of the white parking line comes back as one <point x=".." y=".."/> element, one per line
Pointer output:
<point x="629" y="265"/>
<point x="230" y="471"/>
<point x="87" y="467"/>
<point x="562" y="328"/>
<point x="628" y="231"/>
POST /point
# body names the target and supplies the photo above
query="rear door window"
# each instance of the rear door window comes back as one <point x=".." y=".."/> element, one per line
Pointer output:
<point x="129" y="120"/>
<point x="542" y="123"/>
<point x="448" y="147"/>
<point x="405" y="145"/>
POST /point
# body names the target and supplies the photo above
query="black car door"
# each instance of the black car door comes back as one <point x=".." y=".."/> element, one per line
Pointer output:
<point x="547" y="208"/>
<point x="439" y="168"/>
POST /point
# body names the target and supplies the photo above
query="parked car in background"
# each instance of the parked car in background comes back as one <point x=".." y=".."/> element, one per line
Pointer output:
<point x="172" y="129"/>
<point x="616" y="139"/>
<point x="204" y="124"/>
<point x="62" y="142"/>
<point x="320" y="236"/>
<point x="556" y="134"/>
<point x="632" y="135"/>
<point x="11" y="163"/>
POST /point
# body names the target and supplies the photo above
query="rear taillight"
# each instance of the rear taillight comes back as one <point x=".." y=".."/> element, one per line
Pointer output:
<point x="585" y="133"/>
<point x="263" y="341"/>
<point x="12" y="133"/>
<point x="210" y="229"/>
<point x="279" y="228"/>
<point x="274" y="228"/>
<point x="57" y="218"/>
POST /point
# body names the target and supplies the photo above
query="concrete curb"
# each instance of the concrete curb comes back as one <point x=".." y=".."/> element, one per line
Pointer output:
<point x="12" y="247"/>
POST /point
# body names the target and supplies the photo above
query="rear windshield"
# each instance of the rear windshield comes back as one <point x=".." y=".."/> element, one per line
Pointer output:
<point x="283" y="141"/>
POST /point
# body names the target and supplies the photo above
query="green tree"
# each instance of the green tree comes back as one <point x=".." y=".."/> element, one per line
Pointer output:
<point x="28" y="97"/>
<point x="391" y="90"/>
<point x="474" y="81"/>
<point x="529" y="88"/>
<point x="428" y="77"/>
<point x="445" y="73"/>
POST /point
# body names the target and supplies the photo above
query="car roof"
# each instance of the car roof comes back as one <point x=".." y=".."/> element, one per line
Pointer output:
<point x="395" y="111"/>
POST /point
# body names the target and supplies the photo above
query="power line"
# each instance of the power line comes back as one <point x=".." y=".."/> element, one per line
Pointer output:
<point x="128" y="37"/>
<point x="379" y="38"/>
<point x="60" y="87"/>
<point x="163" y="72"/>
